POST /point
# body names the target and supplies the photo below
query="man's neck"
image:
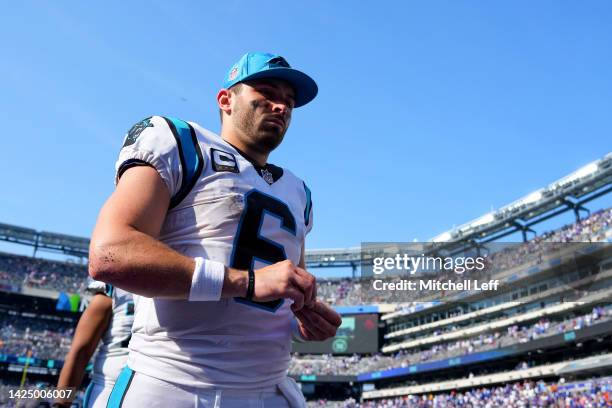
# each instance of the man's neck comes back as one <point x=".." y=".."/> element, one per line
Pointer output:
<point x="231" y="137"/>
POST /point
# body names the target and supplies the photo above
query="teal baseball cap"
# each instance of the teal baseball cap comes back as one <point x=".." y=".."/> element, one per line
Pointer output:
<point x="259" y="65"/>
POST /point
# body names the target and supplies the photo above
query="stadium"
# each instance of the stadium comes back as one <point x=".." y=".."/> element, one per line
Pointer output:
<point x="542" y="339"/>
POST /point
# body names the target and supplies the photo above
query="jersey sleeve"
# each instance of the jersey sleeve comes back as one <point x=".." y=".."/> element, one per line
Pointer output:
<point x="308" y="210"/>
<point x="94" y="287"/>
<point x="151" y="142"/>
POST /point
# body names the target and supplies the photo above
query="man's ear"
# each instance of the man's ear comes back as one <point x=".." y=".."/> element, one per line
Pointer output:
<point x="224" y="100"/>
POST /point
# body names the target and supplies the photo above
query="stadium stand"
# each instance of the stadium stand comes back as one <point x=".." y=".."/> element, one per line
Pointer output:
<point x="591" y="229"/>
<point x="521" y="372"/>
<point x="45" y="338"/>
<point x="595" y="392"/>
<point x="42" y="273"/>
<point x="70" y="277"/>
<point x="452" y="332"/>
<point x="551" y="322"/>
<point x="354" y="365"/>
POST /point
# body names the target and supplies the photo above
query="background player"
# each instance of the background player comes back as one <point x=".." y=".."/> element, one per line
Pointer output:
<point x="212" y="237"/>
<point x="108" y="317"/>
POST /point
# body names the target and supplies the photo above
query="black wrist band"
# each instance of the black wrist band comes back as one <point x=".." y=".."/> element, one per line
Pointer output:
<point x="251" y="287"/>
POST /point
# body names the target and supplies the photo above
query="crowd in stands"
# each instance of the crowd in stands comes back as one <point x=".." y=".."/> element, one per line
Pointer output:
<point x="59" y="276"/>
<point x="50" y="342"/>
<point x="569" y="296"/>
<point x="591" y="229"/>
<point x="46" y="339"/>
<point x="50" y="339"/>
<point x="594" y="393"/>
<point x="68" y="277"/>
<point x="352" y="365"/>
<point x="9" y="281"/>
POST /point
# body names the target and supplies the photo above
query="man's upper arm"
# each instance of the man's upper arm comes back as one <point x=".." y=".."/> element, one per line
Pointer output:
<point x="139" y="202"/>
<point x="148" y="174"/>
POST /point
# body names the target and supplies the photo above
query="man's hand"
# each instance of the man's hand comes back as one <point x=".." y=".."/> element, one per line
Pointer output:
<point x="317" y="322"/>
<point x="285" y="280"/>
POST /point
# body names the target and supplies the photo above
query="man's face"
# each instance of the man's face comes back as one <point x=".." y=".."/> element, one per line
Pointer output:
<point x="262" y="111"/>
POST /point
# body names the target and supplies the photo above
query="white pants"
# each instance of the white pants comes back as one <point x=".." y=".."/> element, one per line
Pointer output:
<point x="134" y="389"/>
<point x="96" y="395"/>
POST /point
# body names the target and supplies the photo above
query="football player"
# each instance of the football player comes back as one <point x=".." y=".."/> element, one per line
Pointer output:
<point x="210" y="236"/>
<point x="108" y="317"/>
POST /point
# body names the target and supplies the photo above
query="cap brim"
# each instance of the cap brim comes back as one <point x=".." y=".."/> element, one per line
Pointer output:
<point x="306" y="88"/>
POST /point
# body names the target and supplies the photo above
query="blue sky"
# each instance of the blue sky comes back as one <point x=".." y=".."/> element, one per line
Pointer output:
<point x="429" y="115"/>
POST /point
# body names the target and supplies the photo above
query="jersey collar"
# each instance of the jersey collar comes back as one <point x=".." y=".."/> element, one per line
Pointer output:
<point x="269" y="172"/>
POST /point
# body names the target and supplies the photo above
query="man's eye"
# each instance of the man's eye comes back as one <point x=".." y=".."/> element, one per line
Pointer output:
<point x="271" y="95"/>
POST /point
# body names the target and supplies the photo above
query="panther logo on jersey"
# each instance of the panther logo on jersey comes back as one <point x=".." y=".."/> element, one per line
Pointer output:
<point x="136" y="130"/>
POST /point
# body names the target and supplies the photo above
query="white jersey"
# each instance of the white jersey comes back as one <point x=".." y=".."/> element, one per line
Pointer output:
<point x="113" y="351"/>
<point x="223" y="208"/>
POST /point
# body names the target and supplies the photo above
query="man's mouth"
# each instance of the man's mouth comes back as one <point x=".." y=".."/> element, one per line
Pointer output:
<point x="277" y="121"/>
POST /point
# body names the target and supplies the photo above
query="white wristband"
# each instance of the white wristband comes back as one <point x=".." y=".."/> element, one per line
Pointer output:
<point x="207" y="281"/>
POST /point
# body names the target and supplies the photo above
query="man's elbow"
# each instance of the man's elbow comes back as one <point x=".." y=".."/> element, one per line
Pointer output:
<point x="103" y="266"/>
<point x="96" y="273"/>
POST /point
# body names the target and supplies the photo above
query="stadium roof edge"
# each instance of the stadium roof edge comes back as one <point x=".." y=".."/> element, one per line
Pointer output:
<point x="582" y="182"/>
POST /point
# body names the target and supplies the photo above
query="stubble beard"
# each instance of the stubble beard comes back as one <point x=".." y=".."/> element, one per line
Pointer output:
<point x="263" y="137"/>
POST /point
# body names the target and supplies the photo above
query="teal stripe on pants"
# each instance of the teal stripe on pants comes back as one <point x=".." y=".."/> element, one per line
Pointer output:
<point x="120" y="389"/>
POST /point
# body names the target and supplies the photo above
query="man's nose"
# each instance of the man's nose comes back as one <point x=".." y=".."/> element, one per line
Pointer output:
<point x="280" y="107"/>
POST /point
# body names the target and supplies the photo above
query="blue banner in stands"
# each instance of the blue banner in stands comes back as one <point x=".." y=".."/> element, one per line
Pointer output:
<point x="63" y="302"/>
<point x="434" y="365"/>
<point x="356" y="309"/>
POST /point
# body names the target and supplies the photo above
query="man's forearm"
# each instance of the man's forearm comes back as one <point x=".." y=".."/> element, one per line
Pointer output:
<point x="140" y="264"/>
<point x="73" y="371"/>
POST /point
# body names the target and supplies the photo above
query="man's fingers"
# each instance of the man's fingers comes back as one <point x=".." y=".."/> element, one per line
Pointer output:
<point x="298" y="298"/>
<point x="308" y="335"/>
<point x="314" y="337"/>
<point x="320" y="319"/>
<point x="308" y="325"/>
<point x="316" y="323"/>
<point x="327" y="313"/>
<point x="301" y="285"/>
<point x="285" y="280"/>
<point x="307" y="283"/>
